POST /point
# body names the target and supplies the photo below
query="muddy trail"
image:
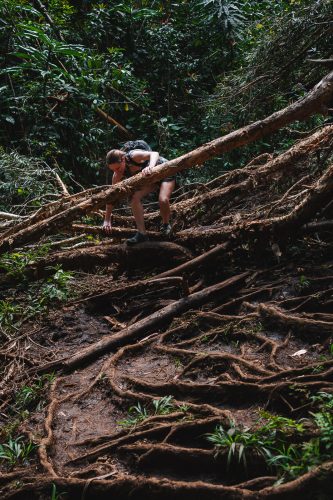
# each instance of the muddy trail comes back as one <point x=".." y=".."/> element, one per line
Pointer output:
<point x="203" y="371"/>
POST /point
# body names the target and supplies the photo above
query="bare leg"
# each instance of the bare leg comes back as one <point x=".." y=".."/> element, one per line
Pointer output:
<point x="137" y="207"/>
<point x="164" y="199"/>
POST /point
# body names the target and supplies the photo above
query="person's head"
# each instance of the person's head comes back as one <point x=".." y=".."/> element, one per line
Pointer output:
<point x="115" y="160"/>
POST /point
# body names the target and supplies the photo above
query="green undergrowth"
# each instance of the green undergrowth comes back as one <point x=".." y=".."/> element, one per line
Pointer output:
<point x="14" y="264"/>
<point x="28" y="398"/>
<point x="32" y="397"/>
<point x="16" y="451"/>
<point x="55" y="494"/>
<point x="31" y="300"/>
<point x="282" y="442"/>
<point x="162" y="406"/>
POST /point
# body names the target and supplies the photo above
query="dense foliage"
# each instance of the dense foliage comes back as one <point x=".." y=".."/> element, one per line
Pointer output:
<point x="174" y="73"/>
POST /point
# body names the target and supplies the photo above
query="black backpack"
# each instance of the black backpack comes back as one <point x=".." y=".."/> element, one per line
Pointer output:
<point x="139" y="144"/>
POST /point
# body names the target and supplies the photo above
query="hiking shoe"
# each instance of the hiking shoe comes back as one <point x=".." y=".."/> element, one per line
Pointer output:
<point x="137" y="238"/>
<point x="166" y="229"/>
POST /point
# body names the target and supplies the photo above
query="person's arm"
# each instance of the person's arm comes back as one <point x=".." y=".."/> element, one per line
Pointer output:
<point x="107" y="225"/>
<point x="140" y="156"/>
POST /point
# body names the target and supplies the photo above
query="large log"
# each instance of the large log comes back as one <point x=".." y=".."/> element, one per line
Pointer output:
<point x="316" y="101"/>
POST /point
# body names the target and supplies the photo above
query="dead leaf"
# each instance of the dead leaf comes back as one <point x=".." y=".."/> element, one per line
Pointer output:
<point x="301" y="352"/>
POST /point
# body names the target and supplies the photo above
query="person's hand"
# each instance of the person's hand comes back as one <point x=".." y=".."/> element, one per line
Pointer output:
<point x="147" y="170"/>
<point x="107" y="226"/>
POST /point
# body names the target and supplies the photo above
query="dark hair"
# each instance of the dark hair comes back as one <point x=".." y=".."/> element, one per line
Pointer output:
<point x="113" y="156"/>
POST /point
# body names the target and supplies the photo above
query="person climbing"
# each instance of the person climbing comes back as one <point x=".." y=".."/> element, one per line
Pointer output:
<point x="125" y="164"/>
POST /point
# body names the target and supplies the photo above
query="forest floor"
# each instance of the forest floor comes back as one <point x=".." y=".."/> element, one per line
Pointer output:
<point x="203" y="372"/>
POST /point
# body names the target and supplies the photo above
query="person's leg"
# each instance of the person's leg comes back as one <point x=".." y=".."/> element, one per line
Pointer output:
<point x="137" y="208"/>
<point x="164" y="199"/>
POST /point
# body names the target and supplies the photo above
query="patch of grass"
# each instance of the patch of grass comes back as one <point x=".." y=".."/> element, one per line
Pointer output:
<point x="178" y="363"/>
<point x="164" y="405"/>
<point x="318" y="369"/>
<point x="274" y="441"/>
<point x="56" y="289"/>
<point x="10" y="429"/>
<point x="239" y="442"/>
<point x="30" y="397"/>
<point x="9" y="314"/>
<point x="16" y="451"/>
<point x="279" y="423"/>
<point x="136" y="414"/>
<point x="303" y="282"/>
<point x="161" y="406"/>
<point x="15" y="263"/>
<point x="255" y="327"/>
<point x="204" y="339"/>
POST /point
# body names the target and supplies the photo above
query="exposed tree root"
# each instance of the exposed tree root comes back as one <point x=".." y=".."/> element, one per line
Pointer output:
<point x="152" y="366"/>
<point x="318" y="480"/>
<point x="142" y="327"/>
<point x="296" y="323"/>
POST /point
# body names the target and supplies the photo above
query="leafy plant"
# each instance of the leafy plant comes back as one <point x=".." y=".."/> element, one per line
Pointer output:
<point x="164" y="405"/>
<point x="9" y="312"/>
<point x="55" y="495"/>
<point x="30" y="396"/>
<point x="273" y="440"/>
<point x="228" y="15"/>
<point x="14" y="263"/>
<point x="324" y="400"/>
<point x="178" y="363"/>
<point x="324" y="421"/>
<point x="279" y="423"/>
<point x="137" y="414"/>
<point x="16" y="450"/>
<point x="303" y="282"/>
<point x="239" y="442"/>
<point x="57" y="287"/>
<point x="161" y="406"/>
<point x="287" y="460"/>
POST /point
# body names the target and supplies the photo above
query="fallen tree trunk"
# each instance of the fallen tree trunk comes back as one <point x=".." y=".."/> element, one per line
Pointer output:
<point x="49" y="210"/>
<point x="316" y="101"/>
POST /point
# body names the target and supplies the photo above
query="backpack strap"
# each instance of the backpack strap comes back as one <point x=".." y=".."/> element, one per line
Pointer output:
<point x="129" y="161"/>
